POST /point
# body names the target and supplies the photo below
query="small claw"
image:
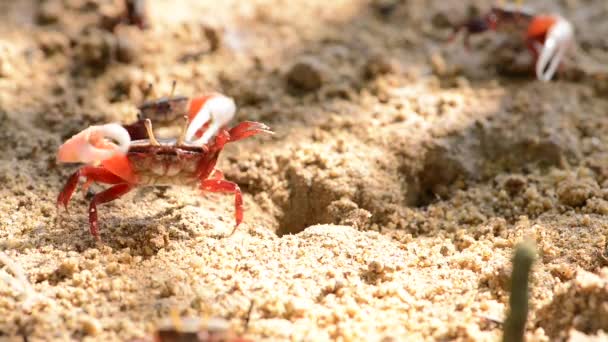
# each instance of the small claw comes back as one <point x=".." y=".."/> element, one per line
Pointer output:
<point x="92" y="145"/>
<point x="558" y="39"/>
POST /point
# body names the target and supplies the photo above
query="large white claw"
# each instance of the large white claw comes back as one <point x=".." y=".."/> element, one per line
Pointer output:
<point x="219" y="110"/>
<point x="93" y="145"/>
<point x="559" y="38"/>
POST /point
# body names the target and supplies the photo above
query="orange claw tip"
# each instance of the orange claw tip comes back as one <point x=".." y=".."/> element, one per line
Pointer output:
<point x="94" y="144"/>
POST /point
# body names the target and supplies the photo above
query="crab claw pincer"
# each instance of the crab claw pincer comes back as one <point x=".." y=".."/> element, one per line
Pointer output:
<point x="95" y="144"/>
<point x="558" y="38"/>
<point x="208" y="114"/>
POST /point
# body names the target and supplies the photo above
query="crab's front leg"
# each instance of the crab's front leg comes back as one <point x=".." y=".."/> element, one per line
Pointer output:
<point x="92" y="174"/>
<point x="103" y="197"/>
<point x="220" y="185"/>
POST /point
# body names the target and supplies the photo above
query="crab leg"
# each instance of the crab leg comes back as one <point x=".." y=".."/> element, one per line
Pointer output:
<point x="216" y="185"/>
<point x="241" y="131"/>
<point x="92" y="174"/>
<point x="103" y="197"/>
<point x="246" y="129"/>
<point x="216" y="174"/>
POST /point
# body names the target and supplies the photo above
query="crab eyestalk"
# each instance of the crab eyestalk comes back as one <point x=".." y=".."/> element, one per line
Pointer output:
<point x="173" y="84"/>
<point x="148" y="90"/>
<point x="182" y="135"/>
<point x="151" y="136"/>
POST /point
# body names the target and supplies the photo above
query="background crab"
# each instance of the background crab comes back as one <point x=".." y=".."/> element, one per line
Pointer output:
<point x="122" y="158"/>
<point x="547" y="36"/>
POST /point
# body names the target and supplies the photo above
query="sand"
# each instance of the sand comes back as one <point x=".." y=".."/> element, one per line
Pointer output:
<point x="403" y="171"/>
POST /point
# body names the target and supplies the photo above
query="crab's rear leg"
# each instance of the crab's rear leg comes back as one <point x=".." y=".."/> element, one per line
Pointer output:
<point x="92" y="174"/>
<point x="103" y="197"/>
<point x="220" y="185"/>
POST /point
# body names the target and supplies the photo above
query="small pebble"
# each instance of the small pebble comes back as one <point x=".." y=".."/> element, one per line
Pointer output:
<point x="439" y="64"/>
<point x="90" y="325"/>
<point x="305" y="75"/>
<point x="514" y="184"/>
<point x="49" y="12"/>
<point x="375" y="266"/>
<point x="126" y="50"/>
<point x="213" y="38"/>
<point x="52" y="42"/>
<point x="378" y="65"/>
<point x="113" y="268"/>
<point x="575" y="193"/>
<point x="68" y="267"/>
<point x="95" y="48"/>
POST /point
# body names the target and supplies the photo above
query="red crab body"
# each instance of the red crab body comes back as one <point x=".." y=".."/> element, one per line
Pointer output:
<point x="168" y="164"/>
<point x="149" y="162"/>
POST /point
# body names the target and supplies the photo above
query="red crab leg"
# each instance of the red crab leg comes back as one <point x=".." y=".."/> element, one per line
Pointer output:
<point x="217" y="174"/>
<point x="246" y="129"/>
<point x="241" y="131"/>
<point x="103" y="197"/>
<point x="93" y="174"/>
<point x="215" y="185"/>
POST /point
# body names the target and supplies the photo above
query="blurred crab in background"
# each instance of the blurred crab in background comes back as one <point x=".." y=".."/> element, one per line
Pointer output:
<point x="131" y="156"/>
<point x="547" y="36"/>
<point x="166" y="111"/>
<point x="194" y="329"/>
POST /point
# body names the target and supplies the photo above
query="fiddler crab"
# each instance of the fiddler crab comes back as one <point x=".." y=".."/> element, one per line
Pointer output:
<point x="547" y="36"/>
<point x="131" y="156"/>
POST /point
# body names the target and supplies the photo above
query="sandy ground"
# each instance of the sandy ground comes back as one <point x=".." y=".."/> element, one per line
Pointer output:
<point x="403" y="171"/>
